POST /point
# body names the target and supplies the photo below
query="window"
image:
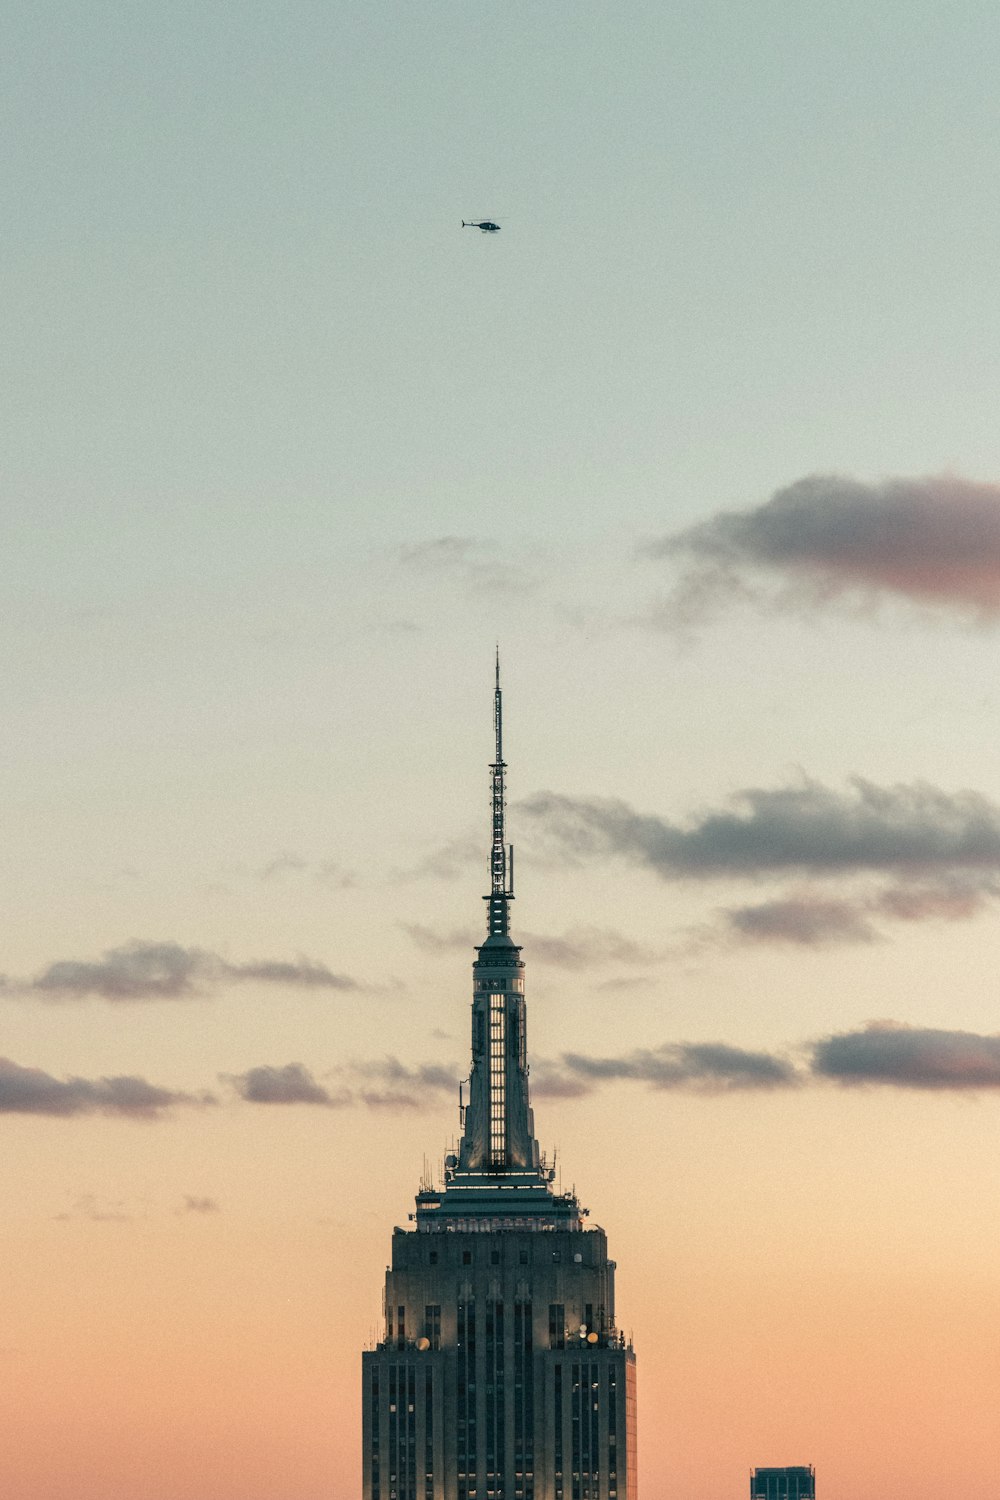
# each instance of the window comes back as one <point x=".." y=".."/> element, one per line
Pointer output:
<point x="494" y="1257"/>
<point x="466" y="1257"/>
<point x="498" y="1081"/>
<point x="433" y="1257"/>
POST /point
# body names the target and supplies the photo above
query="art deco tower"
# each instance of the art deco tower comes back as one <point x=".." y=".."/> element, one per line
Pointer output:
<point x="501" y="1373"/>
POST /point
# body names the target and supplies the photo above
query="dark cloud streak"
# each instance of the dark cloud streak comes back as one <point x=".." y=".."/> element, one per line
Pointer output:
<point x="32" y="1091"/>
<point x="910" y="1057"/>
<point x="803" y="921"/>
<point x="806" y="827"/>
<point x="707" y="1066"/>
<point x="142" y="971"/>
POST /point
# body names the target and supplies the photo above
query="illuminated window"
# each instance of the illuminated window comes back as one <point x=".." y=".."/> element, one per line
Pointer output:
<point x="498" y="1081"/>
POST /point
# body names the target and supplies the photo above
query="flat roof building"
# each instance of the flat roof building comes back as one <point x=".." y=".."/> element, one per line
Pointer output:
<point x="796" y="1483"/>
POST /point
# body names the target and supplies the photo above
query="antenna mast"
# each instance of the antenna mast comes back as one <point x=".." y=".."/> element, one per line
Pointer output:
<point x="501" y="853"/>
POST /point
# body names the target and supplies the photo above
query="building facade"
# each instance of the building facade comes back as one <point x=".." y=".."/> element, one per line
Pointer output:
<point x="797" y="1483"/>
<point x="501" y="1373"/>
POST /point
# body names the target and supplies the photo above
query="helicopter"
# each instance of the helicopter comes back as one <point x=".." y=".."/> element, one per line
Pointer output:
<point x="486" y="225"/>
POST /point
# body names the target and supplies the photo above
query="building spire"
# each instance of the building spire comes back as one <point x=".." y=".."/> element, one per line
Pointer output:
<point x="501" y="853"/>
<point x="498" y="1131"/>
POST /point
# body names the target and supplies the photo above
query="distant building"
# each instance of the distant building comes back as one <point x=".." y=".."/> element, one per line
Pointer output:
<point x="783" y="1484"/>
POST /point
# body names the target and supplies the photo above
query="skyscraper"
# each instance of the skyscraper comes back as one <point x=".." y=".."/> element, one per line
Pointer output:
<point x="797" y="1483"/>
<point x="501" y="1373"/>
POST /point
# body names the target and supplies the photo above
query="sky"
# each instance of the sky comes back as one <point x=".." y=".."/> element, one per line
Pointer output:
<point x="706" y="438"/>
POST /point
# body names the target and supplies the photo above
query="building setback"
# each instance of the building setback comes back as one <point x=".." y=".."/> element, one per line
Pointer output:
<point x="501" y="1373"/>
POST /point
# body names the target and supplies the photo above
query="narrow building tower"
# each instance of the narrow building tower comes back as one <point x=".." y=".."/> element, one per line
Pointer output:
<point x="501" y="1373"/>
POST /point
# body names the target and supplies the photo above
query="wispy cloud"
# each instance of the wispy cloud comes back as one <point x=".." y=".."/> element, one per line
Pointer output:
<point x="578" y="948"/>
<point x="301" y="973"/>
<point x="910" y="1057"/>
<point x="826" y="538"/>
<point x="710" y="1067"/>
<point x="433" y="940"/>
<point x="386" y="1083"/>
<point x="474" y="563"/>
<point x="195" y="1205"/>
<point x="98" y="1210"/>
<point x="326" y="872"/>
<point x="808" y="919"/>
<point x="379" y="1083"/>
<point x="804" y="921"/>
<point x="140" y="971"/>
<point x="447" y="862"/>
<point x="30" y="1091"/>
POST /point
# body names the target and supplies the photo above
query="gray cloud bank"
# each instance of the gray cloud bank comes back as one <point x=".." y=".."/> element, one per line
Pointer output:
<point x="933" y="541"/>
<point x="883" y="1053"/>
<point x="921" y="853"/>
<point x="711" y="1066"/>
<point x="167" y="971"/>
<point x="886" y="1054"/>
<point x="30" y="1091"/>
<point x="806" y="827"/>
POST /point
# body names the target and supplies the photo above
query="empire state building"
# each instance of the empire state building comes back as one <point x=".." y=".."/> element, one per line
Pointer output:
<point x="501" y="1373"/>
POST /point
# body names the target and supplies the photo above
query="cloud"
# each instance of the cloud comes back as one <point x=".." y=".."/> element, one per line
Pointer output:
<point x="705" y="1066"/>
<point x="886" y="1052"/>
<point x="379" y="1083"/>
<point x="283" y="864"/>
<point x="194" y="1205"/>
<point x="805" y="921"/>
<point x="473" y="562"/>
<point x="30" y="1091"/>
<point x="166" y="971"/>
<point x="291" y="1084"/>
<point x="807" y="827"/>
<point x="89" y="1206"/>
<point x="448" y="862"/>
<point x="932" y="541"/>
<point x="137" y="971"/>
<point x="951" y="899"/>
<point x="578" y="948"/>
<point x="400" y="1087"/>
<point x="431" y="941"/>
<point x="548" y="1081"/>
<point x="583" y="947"/>
<point x="883" y="1053"/>
<point x="304" y="973"/>
<point x="808" y="919"/>
<point x="325" y="872"/>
